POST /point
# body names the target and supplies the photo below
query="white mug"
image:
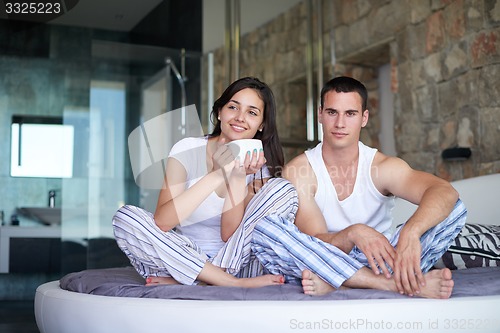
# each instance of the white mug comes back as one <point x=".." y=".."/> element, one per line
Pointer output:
<point x="239" y="148"/>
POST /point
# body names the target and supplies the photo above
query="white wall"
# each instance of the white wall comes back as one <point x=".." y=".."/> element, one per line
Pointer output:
<point x="386" y="111"/>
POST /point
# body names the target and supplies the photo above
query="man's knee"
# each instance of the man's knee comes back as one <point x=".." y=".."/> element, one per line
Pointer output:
<point x="459" y="213"/>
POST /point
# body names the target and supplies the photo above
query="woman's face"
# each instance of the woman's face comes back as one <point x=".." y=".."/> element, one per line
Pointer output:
<point x="242" y="116"/>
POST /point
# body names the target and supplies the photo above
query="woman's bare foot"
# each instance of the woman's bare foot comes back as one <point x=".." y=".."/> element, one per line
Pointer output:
<point x="158" y="280"/>
<point x="438" y="284"/>
<point x="216" y="276"/>
<point x="314" y="285"/>
<point x="260" y="281"/>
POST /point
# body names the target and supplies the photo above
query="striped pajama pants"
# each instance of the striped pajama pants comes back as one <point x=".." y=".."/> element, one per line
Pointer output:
<point x="153" y="252"/>
<point x="283" y="249"/>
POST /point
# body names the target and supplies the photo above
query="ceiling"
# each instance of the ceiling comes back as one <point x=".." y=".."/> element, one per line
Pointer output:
<point x="124" y="15"/>
<point x="116" y="15"/>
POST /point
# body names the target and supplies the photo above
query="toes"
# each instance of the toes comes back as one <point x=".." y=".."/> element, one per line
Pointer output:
<point x="306" y="274"/>
<point x="278" y="279"/>
<point x="307" y="283"/>
<point x="446" y="274"/>
<point x="309" y="290"/>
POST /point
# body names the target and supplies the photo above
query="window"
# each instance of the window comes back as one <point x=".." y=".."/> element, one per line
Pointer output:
<point x="41" y="147"/>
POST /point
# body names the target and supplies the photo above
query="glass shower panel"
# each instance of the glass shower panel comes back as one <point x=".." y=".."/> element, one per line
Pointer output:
<point x="106" y="151"/>
<point x="128" y="84"/>
<point x="74" y="198"/>
<point x="97" y="189"/>
<point x="155" y="99"/>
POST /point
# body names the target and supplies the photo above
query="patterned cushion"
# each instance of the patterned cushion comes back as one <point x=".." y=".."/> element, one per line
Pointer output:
<point x="477" y="245"/>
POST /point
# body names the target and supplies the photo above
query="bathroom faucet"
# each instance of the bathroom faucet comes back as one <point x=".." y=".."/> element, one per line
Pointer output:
<point x="52" y="198"/>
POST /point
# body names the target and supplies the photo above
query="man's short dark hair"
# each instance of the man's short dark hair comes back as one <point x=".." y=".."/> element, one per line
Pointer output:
<point x="345" y="84"/>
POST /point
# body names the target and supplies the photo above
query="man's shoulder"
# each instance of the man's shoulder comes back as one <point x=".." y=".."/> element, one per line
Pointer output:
<point x="299" y="170"/>
<point x="298" y="161"/>
<point x="386" y="161"/>
<point x="301" y="158"/>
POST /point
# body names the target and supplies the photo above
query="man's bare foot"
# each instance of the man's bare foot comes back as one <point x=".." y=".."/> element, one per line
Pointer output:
<point x="314" y="285"/>
<point x="438" y="284"/>
<point x="260" y="281"/>
<point x="158" y="280"/>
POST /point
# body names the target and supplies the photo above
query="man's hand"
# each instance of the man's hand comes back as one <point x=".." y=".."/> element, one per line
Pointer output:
<point x="375" y="247"/>
<point x="407" y="273"/>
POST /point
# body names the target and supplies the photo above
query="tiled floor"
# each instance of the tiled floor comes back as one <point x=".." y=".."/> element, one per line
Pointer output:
<point x="17" y="317"/>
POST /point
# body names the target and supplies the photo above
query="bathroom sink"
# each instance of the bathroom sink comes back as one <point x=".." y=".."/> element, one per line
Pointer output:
<point x="45" y="215"/>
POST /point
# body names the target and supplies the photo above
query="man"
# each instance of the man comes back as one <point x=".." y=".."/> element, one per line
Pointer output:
<point x="346" y="192"/>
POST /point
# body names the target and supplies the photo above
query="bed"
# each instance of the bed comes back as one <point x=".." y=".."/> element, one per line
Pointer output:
<point x="116" y="300"/>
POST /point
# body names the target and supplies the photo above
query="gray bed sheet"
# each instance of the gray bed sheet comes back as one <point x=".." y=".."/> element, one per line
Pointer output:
<point x="126" y="282"/>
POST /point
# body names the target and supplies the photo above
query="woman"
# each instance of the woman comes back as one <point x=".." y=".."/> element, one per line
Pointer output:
<point x="210" y="201"/>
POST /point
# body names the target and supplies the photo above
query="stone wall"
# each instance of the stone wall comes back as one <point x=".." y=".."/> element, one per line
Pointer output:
<point x="445" y="65"/>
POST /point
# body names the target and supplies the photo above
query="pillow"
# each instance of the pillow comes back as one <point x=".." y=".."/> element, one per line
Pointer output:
<point x="476" y="245"/>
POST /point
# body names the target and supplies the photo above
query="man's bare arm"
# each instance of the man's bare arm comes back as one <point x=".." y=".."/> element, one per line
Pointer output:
<point x="435" y="198"/>
<point x="309" y="218"/>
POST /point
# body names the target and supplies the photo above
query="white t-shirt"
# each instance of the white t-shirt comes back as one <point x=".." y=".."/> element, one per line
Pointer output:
<point x="203" y="225"/>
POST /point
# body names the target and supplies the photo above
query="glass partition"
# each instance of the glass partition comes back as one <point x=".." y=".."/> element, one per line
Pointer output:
<point x="125" y="91"/>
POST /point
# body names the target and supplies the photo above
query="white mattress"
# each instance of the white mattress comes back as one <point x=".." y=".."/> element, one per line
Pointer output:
<point x="63" y="311"/>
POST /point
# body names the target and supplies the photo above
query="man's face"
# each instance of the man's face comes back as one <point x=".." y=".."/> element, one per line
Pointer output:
<point x="342" y="118"/>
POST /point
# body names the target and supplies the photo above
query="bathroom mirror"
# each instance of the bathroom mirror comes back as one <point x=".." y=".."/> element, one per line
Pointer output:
<point x="41" y="146"/>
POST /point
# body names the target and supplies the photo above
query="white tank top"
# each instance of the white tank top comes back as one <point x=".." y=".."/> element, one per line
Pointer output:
<point x="203" y="225"/>
<point x="366" y="205"/>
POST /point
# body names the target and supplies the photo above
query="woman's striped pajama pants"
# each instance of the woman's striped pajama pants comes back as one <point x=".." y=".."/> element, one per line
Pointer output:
<point x="153" y="252"/>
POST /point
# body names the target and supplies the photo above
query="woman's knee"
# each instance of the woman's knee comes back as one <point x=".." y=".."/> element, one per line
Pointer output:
<point x="130" y="214"/>
<point x="282" y="199"/>
<point x="282" y="185"/>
